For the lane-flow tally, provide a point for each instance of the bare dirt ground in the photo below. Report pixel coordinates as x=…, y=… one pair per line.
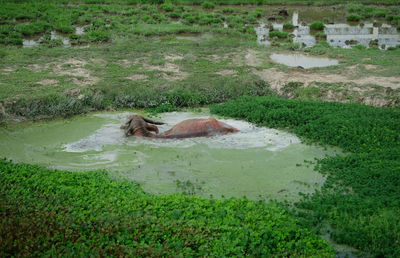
x=227, y=72
x=170, y=71
x=278, y=79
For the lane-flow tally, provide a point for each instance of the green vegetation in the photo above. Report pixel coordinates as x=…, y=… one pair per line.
x=320, y=48
x=353, y=17
x=102, y=21
x=320, y=35
x=288, y=26
x=317, y=25
x=391, y=14
x=223, y=2
x=278, y=34
x=167, y=56
x=60, y=213
x=360, y=198
x=208, y=5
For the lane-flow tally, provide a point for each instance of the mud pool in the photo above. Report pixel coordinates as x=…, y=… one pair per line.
x=258, y=162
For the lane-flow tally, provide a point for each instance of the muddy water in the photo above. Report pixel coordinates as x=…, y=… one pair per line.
x=259, y=163
x=299, y=60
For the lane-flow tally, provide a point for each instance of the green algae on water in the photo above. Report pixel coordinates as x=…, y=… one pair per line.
x=257, y=162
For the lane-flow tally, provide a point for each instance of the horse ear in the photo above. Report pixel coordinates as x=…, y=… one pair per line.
x=152, y=122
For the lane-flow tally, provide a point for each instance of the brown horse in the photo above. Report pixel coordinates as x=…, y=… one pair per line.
x=199, y=127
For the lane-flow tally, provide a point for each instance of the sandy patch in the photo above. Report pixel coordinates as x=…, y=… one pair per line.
x=227, y=72
x=39, y=67
x=278, y=79
x=171, y=71
x=137, y=77
x=98, y=61
x=84, y=76
x=125, y=63
x=84, y=81
x=175, y=77
x=251, y=58
x=70, y=67
x=167, y=67
x=8, y=70
x=48, y=82
x=370, y=67
x=218, y=58
x=74, y=62
x=73, y=92
x=173, y=57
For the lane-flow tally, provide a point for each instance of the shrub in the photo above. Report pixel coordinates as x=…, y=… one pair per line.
x=317, y=25
x=251, y=19
x=168, y=7
x=228, y=10
x=175, y=14
x=98, y=36
x=33, y=28
x=320, y=35
x=64, y=28
x=380, y=13
x=353, y=17
x=208, y=5
x=256, y=14
x=189, y=19
x=288, y=26
x=8, y=36
x=278, y=34
x=320, y=48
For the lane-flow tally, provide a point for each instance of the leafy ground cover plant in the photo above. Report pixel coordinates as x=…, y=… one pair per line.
x=353, y=17
x=278, y=34
x=60, y=213
x=317, y=25
x=361, y=197
x=288, y=26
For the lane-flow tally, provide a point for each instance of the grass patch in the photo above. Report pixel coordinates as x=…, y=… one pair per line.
x=60, y=213
x=362, y=186
x=208, y=5
x=353, y=17
x=278, y=34
x=320, y=48
x=320, y=35
x=288, y=26
x=317, y=25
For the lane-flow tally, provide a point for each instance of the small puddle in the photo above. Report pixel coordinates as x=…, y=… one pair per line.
x=193, y=37
x=29, y=42
x=257, y=162
x=299, y=60
x=35, y=41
